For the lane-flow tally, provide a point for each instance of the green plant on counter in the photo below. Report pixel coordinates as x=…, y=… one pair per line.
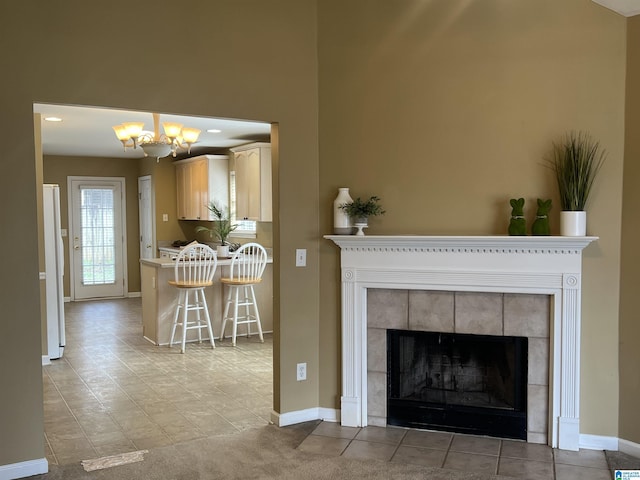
x=363, y=208
x=576, y=162
x=222, y=226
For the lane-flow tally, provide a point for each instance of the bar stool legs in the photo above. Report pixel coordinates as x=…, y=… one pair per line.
x=251, y=313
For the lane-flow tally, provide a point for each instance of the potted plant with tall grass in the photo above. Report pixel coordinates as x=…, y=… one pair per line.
x=576, y=161
x=222, y=227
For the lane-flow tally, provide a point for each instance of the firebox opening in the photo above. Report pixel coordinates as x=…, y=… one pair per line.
x=456, y=382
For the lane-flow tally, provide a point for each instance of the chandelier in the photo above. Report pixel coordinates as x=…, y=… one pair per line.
x=157, y=145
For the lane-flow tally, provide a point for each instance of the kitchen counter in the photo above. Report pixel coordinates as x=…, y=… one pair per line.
x=159, y=300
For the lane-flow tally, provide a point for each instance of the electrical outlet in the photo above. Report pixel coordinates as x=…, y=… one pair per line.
x=301, y=372
x=301, y=257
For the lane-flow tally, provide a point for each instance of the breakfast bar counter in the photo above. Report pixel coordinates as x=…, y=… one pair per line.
x=159, y=300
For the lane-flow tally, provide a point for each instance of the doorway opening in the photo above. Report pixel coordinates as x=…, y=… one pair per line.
x=68, y=157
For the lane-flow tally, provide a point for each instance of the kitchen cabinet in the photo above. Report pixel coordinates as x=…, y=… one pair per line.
x=200, y=180
x=252, y=166
x=168, y=252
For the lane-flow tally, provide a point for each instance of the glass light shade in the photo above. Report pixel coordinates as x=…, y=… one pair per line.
x=190, y=135
x=134, y=129
x=172, y=130
x=121, y=133
x=156, y=149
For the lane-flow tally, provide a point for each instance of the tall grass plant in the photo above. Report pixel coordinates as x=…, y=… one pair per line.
x=576, y=161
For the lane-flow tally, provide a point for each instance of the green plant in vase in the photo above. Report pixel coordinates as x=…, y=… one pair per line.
x=222, y=226
x=360, y=210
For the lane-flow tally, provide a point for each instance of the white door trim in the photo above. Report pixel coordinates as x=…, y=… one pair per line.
x=151, y=212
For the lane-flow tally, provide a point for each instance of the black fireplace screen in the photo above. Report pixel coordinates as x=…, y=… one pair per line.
x=455, y=382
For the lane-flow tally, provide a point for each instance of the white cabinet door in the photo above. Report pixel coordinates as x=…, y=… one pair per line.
x=199, y=180
x=253, y=182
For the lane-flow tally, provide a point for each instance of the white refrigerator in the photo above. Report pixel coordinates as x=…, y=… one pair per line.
x=54, y=271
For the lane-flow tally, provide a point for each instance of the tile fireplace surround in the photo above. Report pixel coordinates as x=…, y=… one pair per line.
x=548, y=266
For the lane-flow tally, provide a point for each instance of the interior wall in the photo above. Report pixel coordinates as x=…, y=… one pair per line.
x=446, y=110
x=630, y=265
x=58, y=168
x=163, y=179
x=72, y=53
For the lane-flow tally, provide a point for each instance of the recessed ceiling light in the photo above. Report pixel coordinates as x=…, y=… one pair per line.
x=53, y=119
x=214, y=130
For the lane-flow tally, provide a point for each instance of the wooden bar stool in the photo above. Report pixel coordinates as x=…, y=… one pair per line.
x=247, y=265
x=194, y=269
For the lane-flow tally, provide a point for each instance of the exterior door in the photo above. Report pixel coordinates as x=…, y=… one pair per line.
x=146, y=214
x=97, y=233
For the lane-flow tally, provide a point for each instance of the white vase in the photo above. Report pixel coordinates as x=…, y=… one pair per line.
x=573, y=224
x=222, y=251
x=342, y=224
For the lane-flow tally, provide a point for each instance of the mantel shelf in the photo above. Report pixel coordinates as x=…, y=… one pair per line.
x=496, y=243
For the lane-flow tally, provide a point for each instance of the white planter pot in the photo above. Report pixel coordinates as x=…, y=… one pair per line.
x=573, y=224
x=222, y=251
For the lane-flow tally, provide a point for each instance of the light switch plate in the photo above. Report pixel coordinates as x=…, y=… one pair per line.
x=301, y=257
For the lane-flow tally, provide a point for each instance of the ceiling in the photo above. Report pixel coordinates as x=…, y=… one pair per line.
x=87, y=131
x=628, y=8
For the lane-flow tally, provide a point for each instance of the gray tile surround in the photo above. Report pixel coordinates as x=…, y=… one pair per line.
x=483, y=313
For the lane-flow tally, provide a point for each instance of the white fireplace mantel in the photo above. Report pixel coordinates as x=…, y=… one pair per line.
x=548, y=265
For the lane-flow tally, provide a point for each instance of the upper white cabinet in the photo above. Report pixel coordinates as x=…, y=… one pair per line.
x=200, y=180
x=252, y=165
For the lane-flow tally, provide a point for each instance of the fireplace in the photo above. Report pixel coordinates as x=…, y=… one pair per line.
x=464, y=383
x=540, y=267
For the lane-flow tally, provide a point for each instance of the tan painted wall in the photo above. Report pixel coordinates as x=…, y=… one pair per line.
x=445, y=110
x=78, y=53
x=630, y=265
x=58, y=168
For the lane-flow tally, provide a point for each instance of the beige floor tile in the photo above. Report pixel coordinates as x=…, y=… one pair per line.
x=370, y=450
x=154, y=441
x=582, y=458
x=324, y=445
x=115, y=448
x=420, y=438
x=427, y=457
x=391, y=435
x=470, y=462
x=525, y=469
x=332, y=429
x=574, y=472
x=471, y=444
x=528, y=451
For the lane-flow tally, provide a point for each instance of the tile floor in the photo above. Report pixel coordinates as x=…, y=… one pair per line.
x=114, y=392
x=464, y=453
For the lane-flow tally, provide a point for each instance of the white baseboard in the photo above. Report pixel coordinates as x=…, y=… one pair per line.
x=630, y=448
x=598, y=442
x=46, y=360
x=134, y=294
x=310, y=414
x=24, y=469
